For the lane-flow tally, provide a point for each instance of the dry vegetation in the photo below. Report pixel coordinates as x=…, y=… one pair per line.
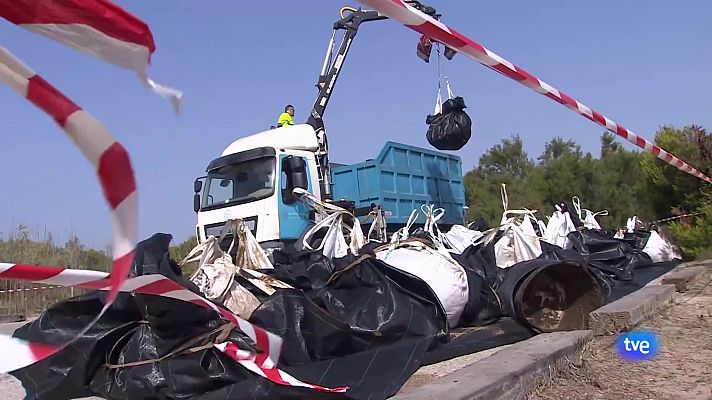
x=681, y=371
x=39, y=247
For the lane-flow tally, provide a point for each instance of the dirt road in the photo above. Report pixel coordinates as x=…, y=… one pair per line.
x=681, y=371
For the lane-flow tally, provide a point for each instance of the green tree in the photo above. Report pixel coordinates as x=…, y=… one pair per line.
x=563, y=172
x=506, y=163
x=619, y=184
x=609, y=144
x=673, y=191
x=694, y=235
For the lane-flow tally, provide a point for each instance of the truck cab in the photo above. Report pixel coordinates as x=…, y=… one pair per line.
x=254, y=177
x=253, y=180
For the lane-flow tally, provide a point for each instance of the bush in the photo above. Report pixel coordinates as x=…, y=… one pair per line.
x=694, y=238
x=180, y=251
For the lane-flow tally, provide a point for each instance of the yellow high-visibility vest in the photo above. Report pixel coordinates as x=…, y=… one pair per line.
x=285, y=119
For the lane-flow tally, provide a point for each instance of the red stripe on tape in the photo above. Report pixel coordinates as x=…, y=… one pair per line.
x=119, y=274
x=640, y=141
x=568, y=100
x=159, y=287
x=263, y=346
x=102, y=15
x=505, y=70
x=49, y=99
x=433, y=31
x=555, y=98
x=116, y=174
x=30, y=272
x=41, y=351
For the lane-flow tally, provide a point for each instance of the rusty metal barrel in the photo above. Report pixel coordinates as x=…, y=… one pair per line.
x=550, y=295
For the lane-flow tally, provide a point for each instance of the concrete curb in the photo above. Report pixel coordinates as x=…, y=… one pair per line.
x=626, y=313
x=683, y=278
x=679, y=269
x=510, y=373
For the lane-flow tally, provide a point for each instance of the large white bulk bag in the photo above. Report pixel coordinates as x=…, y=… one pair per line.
x=587, y=217
x=558, y=228
x=445, y=276
x=659, y=249
x=216, y=273
x=459, y=237
x=520, y=241
x=516, y=245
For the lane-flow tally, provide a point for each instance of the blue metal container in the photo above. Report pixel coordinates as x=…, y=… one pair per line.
x=403, y=178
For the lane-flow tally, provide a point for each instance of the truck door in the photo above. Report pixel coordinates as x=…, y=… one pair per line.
x=293, y=213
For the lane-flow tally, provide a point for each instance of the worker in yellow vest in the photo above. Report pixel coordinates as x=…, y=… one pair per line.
x=286, y=117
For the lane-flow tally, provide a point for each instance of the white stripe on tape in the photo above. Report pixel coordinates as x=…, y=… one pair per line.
x=14, y=352
x=75, y=278
x=124, y=225
x=90, y=135
x=16, y=81
x=89, y=40
x=5, y=266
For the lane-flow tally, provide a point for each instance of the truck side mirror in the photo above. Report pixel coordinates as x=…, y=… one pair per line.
x=299, y=173
x=197, y=185
x=196, y=202
x=295, y=171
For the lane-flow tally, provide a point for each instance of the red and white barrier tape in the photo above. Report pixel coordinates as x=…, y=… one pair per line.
x=263, y=363
x=105, y=30
x=117, y=181
x=96, y=27
x=108, y=158
x=420, y=22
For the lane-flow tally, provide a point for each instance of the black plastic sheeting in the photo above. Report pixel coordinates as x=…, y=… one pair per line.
x=616, y=257
x=140, y=327
x=368, y=328
x=354, y=322
x=643, y=275
x=620, y=265
x=471, y=340
x=452, y=128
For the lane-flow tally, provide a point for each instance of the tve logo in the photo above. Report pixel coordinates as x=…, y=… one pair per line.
x=637, y=345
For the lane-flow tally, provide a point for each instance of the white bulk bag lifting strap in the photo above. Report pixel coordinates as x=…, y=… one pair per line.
x=332, y=217
x=432, y=216
x=441, y=77
x=404, y=232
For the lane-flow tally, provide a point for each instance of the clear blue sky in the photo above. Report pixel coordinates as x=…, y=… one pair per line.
x=643, y=63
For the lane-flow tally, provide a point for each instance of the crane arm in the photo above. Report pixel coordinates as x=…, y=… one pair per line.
x=331, y=70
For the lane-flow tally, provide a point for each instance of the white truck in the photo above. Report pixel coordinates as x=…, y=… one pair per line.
x=254, y=177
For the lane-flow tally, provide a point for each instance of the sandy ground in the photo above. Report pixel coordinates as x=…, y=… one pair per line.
x=681, y=371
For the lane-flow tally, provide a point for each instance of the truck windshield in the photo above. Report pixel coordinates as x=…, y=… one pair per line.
x=241, y=182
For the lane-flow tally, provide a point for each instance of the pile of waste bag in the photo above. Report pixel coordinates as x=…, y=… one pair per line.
x=351, y=312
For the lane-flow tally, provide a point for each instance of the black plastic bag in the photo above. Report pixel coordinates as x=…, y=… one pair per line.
x=367, y=326
x=141, y=327
x=613, y=256
x=452, y=128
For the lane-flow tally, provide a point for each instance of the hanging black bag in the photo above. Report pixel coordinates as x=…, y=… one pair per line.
x=450, y=129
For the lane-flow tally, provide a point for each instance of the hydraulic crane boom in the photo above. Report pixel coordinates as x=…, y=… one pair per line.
x=327, y=79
